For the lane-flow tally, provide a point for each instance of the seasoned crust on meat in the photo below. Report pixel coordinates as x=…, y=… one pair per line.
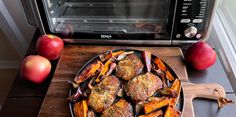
x=119, y=109
x=143, y=86
x=104, y=93
x=129, y=67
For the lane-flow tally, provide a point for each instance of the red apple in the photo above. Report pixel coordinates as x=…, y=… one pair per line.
x=50, y=46
x=200, y=56
x=35, y=68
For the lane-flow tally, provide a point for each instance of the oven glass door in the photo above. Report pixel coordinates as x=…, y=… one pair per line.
x=115, y=17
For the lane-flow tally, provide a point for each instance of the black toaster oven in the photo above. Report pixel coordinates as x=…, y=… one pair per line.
x=155, y=22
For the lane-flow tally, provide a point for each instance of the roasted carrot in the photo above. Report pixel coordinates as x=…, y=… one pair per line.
x=105, y=56
x=104, y=70
x=154, y=105
x=169, y=76
x=159, y=64
x=158, y=113
x=81, y=109
x=171, y=112
x=177, y=87
x=117, y=53
x=89, y=71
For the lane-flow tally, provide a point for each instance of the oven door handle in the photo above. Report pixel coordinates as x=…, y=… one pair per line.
x=110, y=31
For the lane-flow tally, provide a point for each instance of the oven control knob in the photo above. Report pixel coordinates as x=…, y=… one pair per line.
x=190, y=32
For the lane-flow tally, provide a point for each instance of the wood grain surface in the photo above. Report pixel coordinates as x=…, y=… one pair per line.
x=75, y=56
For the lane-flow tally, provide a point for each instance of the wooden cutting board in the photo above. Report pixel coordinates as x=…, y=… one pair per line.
x=75, y=56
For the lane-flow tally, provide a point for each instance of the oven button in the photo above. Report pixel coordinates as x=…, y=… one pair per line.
x=178, y=36
x=197, y=20
x=190, y=32
x=185, y=20
x=198, y=36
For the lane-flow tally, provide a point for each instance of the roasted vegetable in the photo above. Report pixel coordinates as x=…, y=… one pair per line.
x=159, y=64
x=159, y=72
x=162, y=75
x=121, y=92
x=111, y=68
x=168, y=92
x=75, y=96
x=164, y=80
x=81, y=109
x=177, y=87
x=91, y=114
x=88, y=72
x=171, y=112
x=117, y=53
x=104, y=70
x=92, y=82
x=138, y=107
x=109, y=54
x=169, y=76
x=155, y=99
x=147, y=60
x=158, y=113
x=72, y=84
x=105, y=56
x=123, y=55
x=154, y=105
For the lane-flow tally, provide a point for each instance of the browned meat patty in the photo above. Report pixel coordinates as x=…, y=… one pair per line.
x=129, y=67
x=104, y=93
x=119, y=109
x=143, y=86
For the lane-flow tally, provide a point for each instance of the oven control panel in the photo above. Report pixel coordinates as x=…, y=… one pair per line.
x=192, y=19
